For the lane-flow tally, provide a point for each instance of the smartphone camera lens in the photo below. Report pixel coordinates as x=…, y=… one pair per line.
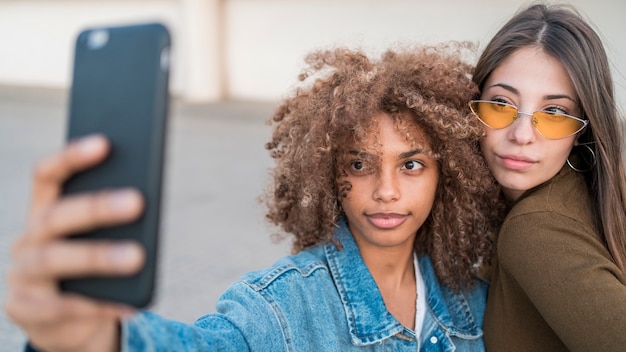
x=97, y=39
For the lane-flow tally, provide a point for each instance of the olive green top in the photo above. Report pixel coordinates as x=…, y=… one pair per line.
x=554, y=286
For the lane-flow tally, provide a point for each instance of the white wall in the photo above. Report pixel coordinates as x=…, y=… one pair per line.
x=267, y=39
x=253, y=49
x=37, y=37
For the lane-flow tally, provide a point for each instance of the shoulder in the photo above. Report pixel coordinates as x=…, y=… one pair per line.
x=474, y=295
x=562, y=205
x=296, y=267
x=456, y=309
x=276, y=298
x=566, y=194
x=478, y=285
x=552, y=224
x=285, y=286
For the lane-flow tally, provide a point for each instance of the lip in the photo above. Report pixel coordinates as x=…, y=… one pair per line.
x=386, y=220
x=516, y=162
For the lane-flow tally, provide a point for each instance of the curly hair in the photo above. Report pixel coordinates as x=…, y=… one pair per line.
x=346, y=90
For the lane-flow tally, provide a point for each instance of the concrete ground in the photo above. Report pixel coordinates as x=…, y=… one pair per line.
x=212, y=225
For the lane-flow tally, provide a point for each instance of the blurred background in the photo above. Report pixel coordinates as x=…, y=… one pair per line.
x=233, y=60
x=253, y=49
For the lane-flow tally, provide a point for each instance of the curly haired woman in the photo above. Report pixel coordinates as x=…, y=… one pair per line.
x=380, y=181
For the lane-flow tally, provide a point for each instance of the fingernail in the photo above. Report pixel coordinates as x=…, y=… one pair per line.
x=123, y=200
x=90, y=144
x=125, y=256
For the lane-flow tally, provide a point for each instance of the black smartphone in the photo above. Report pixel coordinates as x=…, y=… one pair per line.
x=120, y=89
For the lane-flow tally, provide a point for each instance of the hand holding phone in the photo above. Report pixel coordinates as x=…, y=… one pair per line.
x=120, y=90
x=41, y=254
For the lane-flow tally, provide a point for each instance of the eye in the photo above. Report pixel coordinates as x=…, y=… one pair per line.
x=502, y=105
x=412, y=165
x=556, y=110
x=360, y=167
x=500, y=100
x=555, y=117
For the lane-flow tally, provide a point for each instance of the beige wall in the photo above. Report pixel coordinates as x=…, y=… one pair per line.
x=253, y=49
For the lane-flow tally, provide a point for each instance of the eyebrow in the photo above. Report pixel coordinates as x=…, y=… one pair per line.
x=403, y=155
x=546, y=97
x=410, y=153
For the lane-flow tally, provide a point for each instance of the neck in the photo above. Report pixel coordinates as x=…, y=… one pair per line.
x=391, y=268
x=394, y=273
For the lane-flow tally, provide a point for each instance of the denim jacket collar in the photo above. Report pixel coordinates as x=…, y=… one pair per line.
x=368, y=319
x=451, y=310
x=366, y=313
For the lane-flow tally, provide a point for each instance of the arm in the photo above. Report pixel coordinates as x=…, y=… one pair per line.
x=147, y=332
x=54, y=320
x=567, y=273
x=245, y=321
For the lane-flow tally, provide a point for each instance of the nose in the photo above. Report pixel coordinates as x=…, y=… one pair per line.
x=522, y=130
x=386, y=189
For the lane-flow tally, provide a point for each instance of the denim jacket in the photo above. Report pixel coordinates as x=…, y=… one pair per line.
x=321, y=299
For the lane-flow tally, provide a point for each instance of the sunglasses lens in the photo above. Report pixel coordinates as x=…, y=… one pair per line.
x=556, y=126
x=494, y=115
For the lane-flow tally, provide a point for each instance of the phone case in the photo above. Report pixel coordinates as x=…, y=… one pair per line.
x=120, y=89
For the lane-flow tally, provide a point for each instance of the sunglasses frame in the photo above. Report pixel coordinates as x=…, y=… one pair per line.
x=585, y=122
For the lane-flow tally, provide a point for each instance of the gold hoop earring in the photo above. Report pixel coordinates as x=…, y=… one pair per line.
x=582, y=158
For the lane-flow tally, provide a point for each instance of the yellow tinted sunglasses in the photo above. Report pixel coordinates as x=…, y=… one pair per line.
x=550, y=124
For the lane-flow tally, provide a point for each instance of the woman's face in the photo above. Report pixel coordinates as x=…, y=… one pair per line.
x=394, y=182
x=518, y=155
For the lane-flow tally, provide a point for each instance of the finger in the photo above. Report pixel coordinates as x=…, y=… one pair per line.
x=85, y=212
x=26, y=309
x=50, y=173
x=81, y=307
x=68, y=259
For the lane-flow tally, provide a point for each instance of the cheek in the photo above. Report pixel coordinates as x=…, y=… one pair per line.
x=434, y=189
x=561, y=153
x=343, y=188
x=558, y=150
x=350, y=205
x=490, y=141
x=350, y=192
x=425, y=191
x=485, y=145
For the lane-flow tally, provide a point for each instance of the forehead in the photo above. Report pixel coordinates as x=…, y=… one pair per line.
x=402, y=126
x=532, y=71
